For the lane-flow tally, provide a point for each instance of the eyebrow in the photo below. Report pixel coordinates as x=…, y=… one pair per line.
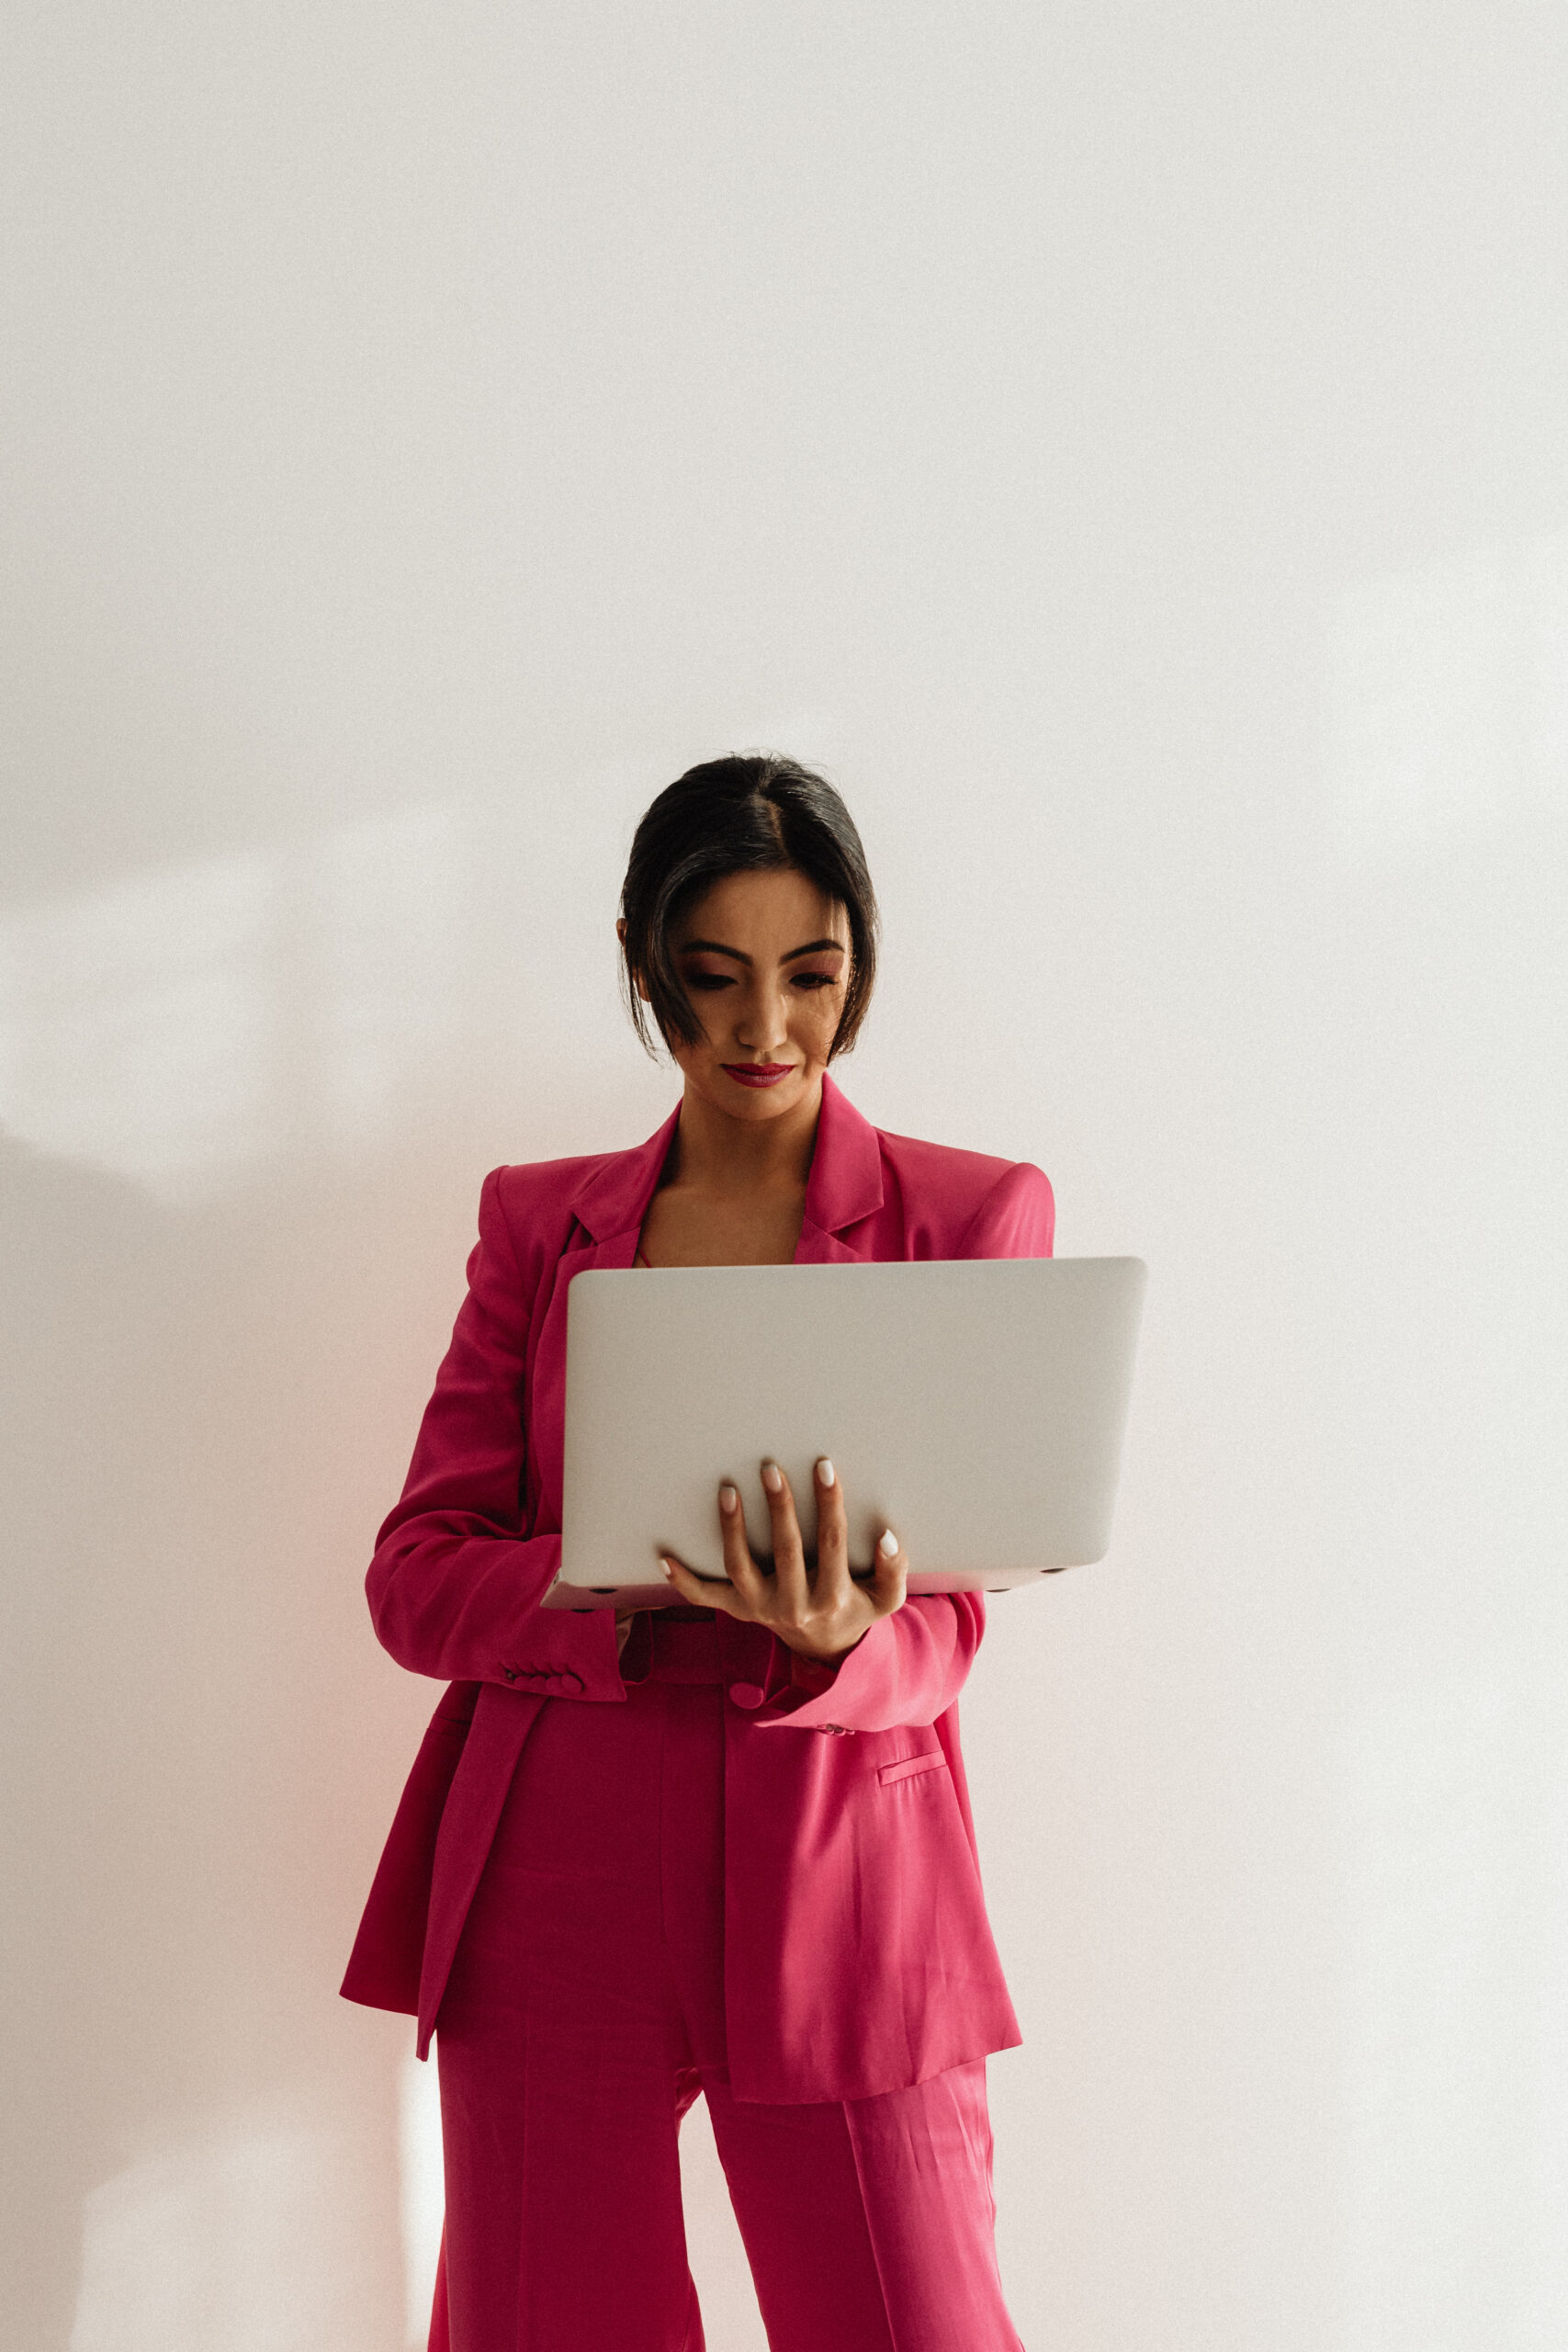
x=716, y=947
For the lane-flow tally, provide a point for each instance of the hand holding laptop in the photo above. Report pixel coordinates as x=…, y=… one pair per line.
x=819, y=1613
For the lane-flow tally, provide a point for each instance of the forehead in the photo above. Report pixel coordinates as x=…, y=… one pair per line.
x=764, y=914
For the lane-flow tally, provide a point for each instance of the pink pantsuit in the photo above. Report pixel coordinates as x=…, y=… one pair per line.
x=797, y=1928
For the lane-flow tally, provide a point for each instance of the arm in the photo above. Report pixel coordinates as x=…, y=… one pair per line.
x=455, y=1586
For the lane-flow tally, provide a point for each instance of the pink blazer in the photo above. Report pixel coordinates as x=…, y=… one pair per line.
x=858, y=1957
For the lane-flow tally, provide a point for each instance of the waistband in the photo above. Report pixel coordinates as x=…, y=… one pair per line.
x=683, y=1651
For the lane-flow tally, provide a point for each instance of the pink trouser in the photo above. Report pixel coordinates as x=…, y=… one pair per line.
x=585, y=2012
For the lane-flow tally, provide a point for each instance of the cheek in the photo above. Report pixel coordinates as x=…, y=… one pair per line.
x=816, y=1019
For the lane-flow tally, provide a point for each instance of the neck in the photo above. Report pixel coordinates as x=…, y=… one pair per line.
x=714, y=1153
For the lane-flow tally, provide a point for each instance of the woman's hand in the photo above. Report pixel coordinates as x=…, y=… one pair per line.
x=820, y=1615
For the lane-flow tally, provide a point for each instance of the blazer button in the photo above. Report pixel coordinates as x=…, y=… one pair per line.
x=745, y=1694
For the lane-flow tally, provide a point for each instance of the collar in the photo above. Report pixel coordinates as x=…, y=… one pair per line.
x=844, y=1185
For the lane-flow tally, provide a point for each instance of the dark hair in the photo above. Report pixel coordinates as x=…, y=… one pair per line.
x=749, y=813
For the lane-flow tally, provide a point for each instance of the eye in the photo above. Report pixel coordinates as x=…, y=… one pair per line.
x=707, y=981
x=815, y=979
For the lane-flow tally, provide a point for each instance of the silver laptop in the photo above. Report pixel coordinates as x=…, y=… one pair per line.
x=975, y=1405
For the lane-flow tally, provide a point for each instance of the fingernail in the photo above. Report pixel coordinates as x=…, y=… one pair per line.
x=666, y=1567
x=772, y=1476
x=889, y=1544
x=825, y=1471
x=728, y=1497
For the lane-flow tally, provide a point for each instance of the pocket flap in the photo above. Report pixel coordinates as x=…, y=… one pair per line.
x=906, y=1767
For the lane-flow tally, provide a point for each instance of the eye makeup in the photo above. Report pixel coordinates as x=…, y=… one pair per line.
x=695, y=978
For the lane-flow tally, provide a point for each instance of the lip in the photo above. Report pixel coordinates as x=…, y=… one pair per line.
x=757, y=1073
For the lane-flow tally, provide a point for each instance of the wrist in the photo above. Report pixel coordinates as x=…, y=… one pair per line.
x=795, y=1643
x=812, y=1671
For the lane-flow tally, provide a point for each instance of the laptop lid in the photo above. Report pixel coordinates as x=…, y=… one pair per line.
x=975, y=1406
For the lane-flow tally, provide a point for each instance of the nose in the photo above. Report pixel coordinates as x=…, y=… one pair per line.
x=764, y=1025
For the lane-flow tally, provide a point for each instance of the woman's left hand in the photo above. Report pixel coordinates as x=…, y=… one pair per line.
x=818, y=1613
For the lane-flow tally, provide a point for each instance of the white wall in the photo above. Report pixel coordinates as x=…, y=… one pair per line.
x=1125, y=445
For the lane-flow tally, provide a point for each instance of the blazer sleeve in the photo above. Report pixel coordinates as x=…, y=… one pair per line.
x=910, y=1668
x=455, y=1585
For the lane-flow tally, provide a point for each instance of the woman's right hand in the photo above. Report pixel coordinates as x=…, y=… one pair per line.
x=821, y=1612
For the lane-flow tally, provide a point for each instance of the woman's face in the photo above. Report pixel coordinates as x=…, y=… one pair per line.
x=765, y=962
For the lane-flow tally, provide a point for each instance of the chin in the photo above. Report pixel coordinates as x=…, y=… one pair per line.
x=763, y=1104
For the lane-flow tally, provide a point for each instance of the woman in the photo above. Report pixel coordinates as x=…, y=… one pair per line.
x=628, y=1866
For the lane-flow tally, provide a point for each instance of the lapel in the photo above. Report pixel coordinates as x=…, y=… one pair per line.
x=612, y=1203
x=845, y=1184
x=609, y=1207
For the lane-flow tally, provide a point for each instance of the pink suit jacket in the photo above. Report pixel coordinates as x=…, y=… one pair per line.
x=858, y=1957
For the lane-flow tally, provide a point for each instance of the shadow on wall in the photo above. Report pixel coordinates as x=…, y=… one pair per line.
x=247, y=1103
x=202, y=2140
x=204, y=1255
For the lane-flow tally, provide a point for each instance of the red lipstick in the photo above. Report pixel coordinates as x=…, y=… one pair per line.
x=757, y=1073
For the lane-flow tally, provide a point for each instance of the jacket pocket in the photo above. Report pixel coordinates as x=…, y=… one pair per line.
x=905, y=1767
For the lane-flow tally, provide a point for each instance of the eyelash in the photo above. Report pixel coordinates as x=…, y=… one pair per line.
x=707, y=981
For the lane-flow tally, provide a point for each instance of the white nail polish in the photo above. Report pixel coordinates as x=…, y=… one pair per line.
x=826, y=1472
x=888, y=1546
x=728, y=1497
x=665, y=1567
x=772, y=1476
